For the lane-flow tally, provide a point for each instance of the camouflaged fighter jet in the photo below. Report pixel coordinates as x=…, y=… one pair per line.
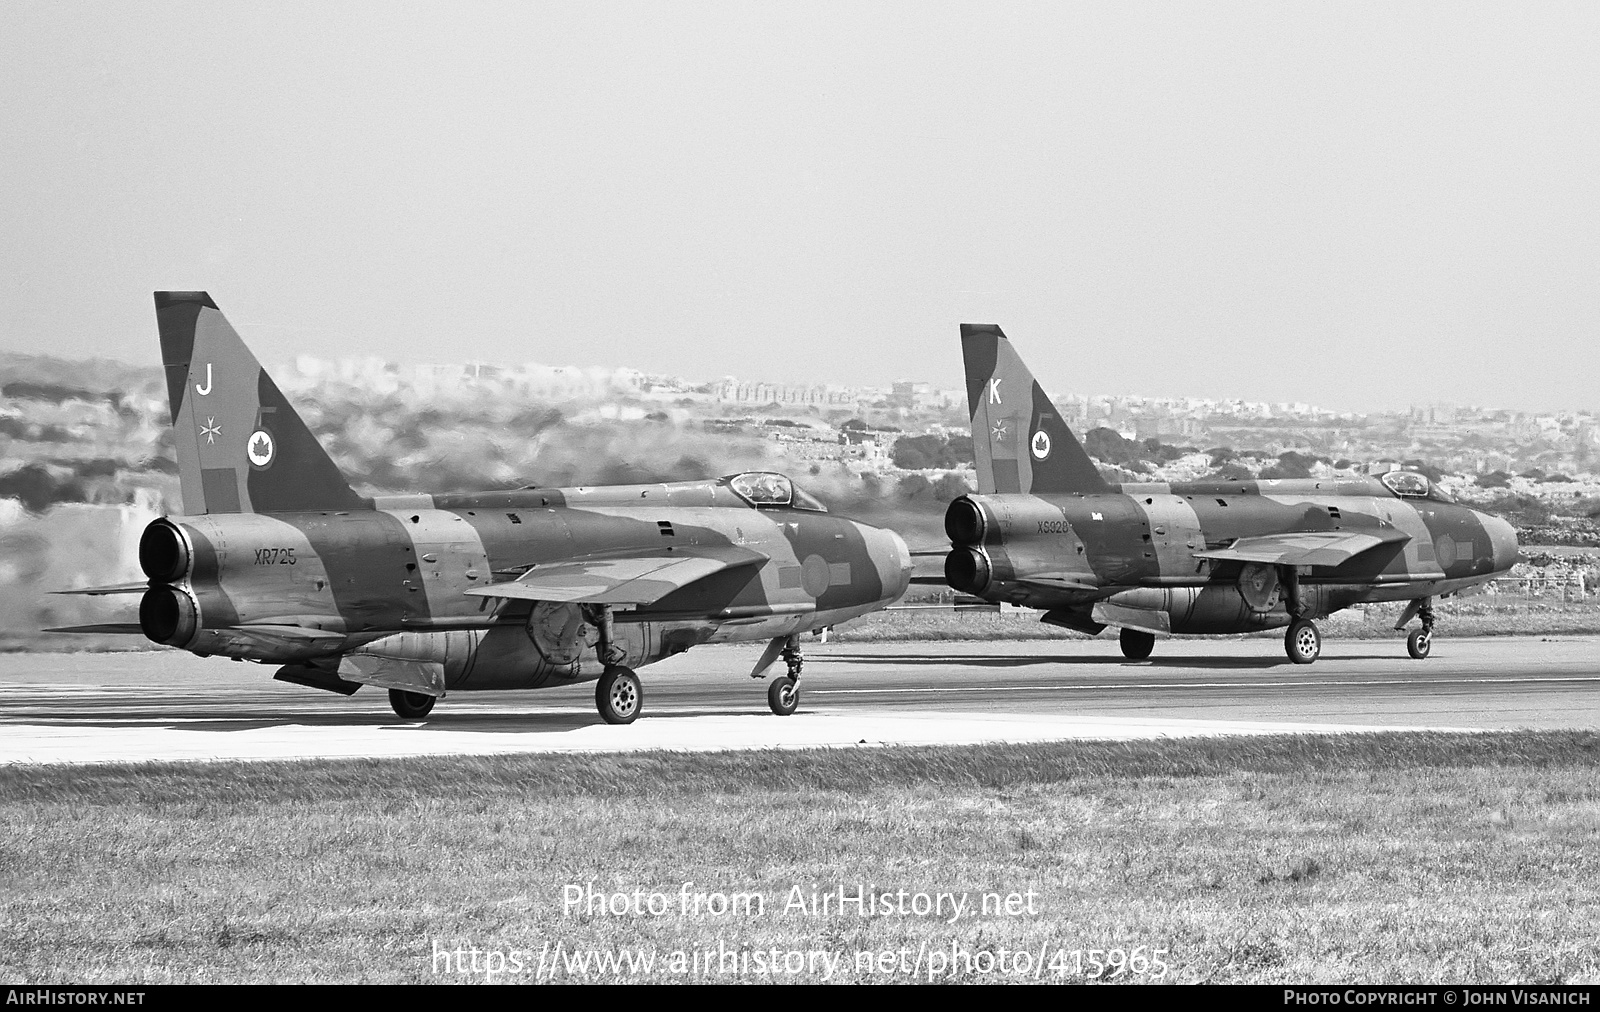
x=1045, y=530
x=278, y=560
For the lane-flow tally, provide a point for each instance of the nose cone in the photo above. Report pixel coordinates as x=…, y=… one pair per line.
x=1503, y=542
x=893, y=559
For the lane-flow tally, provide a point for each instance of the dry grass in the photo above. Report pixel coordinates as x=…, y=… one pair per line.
x=1406, y=857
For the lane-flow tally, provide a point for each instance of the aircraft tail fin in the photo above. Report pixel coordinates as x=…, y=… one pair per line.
x=241, y=446
x=1021, y=440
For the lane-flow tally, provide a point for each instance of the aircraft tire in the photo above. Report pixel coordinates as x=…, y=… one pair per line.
x=1137, y=644
x=1419, y=643
x=410, y=705
x=783, y=695
x=1302, y=642
x=618, y=696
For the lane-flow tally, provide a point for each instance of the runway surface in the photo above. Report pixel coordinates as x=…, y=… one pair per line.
x=165, y=705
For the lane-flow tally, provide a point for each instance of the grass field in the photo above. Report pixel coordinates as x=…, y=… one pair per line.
x=1403, y=857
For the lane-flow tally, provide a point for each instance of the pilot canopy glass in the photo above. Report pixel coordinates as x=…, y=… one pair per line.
x=1412, y=485
x=769, y=489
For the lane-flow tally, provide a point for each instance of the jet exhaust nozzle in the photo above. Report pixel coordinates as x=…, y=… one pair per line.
x=964, y=522
x=163, y=551
x=168, y=616
x=967, y=570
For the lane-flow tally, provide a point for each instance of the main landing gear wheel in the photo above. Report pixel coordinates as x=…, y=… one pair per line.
x=410, y=705
x=783, y=695
x=618, y=696
x=1302, y=642
x=1419, y=643
x=1136, y=645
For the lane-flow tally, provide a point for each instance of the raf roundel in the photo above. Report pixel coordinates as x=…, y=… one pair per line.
x=261, y=448
x=1041, y=444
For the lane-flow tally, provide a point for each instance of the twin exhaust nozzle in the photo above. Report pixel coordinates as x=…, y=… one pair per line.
x=967, y=568
x=167, y=615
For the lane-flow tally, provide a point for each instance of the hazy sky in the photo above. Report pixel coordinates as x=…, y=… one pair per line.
x=1361, y=206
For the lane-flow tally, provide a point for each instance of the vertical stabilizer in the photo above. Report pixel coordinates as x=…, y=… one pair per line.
x=241, y=446
x=1021, y=441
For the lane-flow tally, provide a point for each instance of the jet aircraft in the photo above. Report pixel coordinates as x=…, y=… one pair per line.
x=277, y=560
x=1045, y=530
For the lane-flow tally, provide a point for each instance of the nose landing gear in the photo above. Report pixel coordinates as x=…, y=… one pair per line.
x=783, y=695
x=1420, y=642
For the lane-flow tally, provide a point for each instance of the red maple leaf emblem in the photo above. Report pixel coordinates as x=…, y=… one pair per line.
x=260, y=448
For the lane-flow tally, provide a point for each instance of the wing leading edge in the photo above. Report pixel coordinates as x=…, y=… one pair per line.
x=641, y=577
x=1305, y=548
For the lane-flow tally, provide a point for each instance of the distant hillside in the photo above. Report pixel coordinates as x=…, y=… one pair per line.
x=99, y=375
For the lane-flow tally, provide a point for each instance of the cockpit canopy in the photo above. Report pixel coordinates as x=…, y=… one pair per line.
x=1411, y=485
x=771, y=490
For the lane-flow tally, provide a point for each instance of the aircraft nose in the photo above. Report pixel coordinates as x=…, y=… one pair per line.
x=889, y=551
x=1503, y=540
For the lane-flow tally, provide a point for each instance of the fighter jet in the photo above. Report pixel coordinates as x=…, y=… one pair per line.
x=1045, y=530
x=277, y=560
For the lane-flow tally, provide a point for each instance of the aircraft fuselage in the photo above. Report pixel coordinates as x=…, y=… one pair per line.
x=1136, y=548
x=395, y=581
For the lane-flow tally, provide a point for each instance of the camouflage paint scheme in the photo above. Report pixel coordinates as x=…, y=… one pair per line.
x=277, y=560
x=1045, y=530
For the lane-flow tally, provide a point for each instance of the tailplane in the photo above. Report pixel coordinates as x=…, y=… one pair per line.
x=1021, y=441
x=241, y=447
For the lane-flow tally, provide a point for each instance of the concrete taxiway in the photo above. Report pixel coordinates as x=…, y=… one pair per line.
x=167, y=705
